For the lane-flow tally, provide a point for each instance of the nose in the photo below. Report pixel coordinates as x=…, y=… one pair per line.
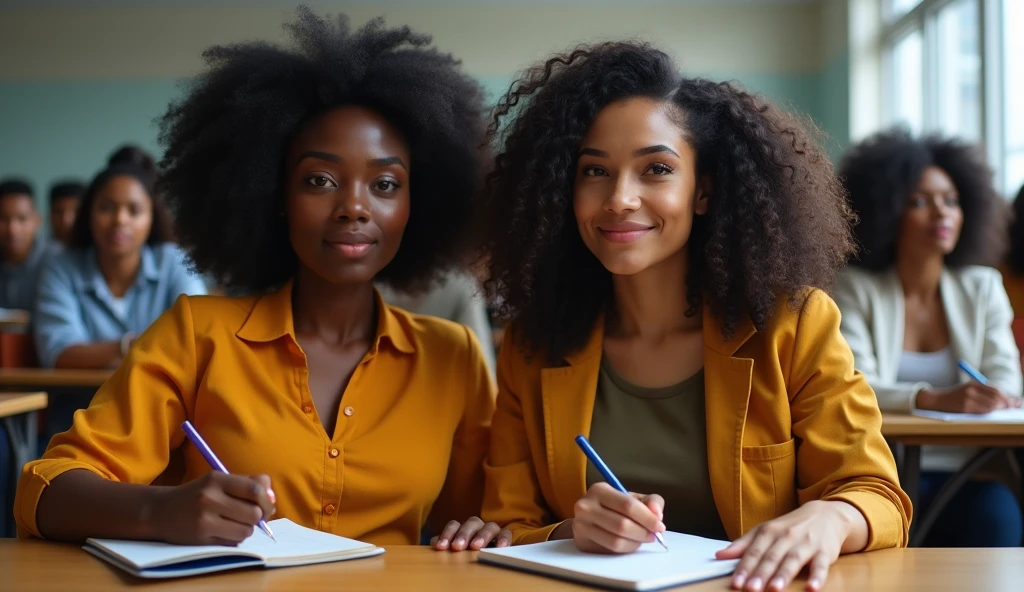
x=353, y=203
x=122, y=216
x=623, y=198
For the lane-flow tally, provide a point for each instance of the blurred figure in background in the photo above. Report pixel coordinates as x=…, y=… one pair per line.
x=64, y=199
x=1013, y=269
x=922, y=295
x=457, y=297
x=120, y=273
x=20, y=252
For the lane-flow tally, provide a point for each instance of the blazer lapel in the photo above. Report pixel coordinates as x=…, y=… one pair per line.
x=568, y=395
x=892, y=318
x=727, y=383
x=958, y=310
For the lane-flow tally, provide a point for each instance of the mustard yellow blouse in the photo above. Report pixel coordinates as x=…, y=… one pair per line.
x=411, y=434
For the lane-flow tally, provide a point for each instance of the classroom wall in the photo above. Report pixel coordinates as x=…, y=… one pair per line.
x=79, y=78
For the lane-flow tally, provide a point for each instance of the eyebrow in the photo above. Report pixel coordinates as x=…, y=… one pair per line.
x=331, y=157
x=636, y=153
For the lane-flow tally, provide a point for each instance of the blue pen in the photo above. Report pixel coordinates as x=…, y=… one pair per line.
x=970, y=371
x=211, y=458
x=608, y=475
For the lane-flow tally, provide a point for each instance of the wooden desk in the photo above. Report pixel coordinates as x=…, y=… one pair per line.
x=910, y=432
x=50, y=379
x=29, y=566
x=18, y=411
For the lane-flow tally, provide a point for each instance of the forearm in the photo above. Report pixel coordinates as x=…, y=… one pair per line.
x=87, y=356
x=80, y=504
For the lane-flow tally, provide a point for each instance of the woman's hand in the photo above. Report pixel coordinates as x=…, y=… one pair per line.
x=609, y=521
x=215, y=509
x=969, y=397
x=473, y=534
x=815, y=534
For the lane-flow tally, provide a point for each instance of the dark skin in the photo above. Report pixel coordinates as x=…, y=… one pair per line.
x=121, y=218
x=347, y=204
x=62, y=217
x=19, y=222
x=636, y=195
x=929, y=231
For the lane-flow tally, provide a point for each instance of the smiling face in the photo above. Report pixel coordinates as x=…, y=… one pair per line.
x=636, y=189
x=932, y=218
x=347, y=194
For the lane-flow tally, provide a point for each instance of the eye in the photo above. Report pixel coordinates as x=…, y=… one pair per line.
x=594, y=171
x=319, y=181
x=918, y=202
x=952, y=201
x=386, y=185
x=659, y=169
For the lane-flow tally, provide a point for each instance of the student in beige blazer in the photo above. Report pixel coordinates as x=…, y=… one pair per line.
x=918, y=299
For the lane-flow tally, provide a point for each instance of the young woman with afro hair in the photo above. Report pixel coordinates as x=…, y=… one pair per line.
x=298, y=176
x=920, y=296
x=662, y=243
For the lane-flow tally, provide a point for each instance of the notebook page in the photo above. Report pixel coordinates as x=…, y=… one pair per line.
x=651, y=565
x=999, y=415
x=296, y=542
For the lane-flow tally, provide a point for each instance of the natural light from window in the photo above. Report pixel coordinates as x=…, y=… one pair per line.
x=958, y=70
x=907, y=76
x=1013, y=96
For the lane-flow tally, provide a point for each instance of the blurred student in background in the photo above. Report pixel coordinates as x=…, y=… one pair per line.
x=1013, y=268
x=21, y=254
x=120, y=272
x=920, y=296
x=64, y=199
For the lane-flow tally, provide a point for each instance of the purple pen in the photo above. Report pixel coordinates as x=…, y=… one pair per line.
x=211, y=458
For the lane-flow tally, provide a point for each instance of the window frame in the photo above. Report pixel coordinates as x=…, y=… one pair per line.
x=924, y=18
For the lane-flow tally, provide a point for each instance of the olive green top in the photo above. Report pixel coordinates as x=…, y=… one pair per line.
x=655, y=441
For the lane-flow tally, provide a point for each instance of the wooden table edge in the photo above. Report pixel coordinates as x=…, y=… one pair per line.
x=18, y=403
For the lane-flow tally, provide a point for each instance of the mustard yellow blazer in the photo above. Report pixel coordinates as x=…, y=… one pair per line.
x=789, y=421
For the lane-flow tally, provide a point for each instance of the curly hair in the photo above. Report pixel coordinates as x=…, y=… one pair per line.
x=162, y=230
x=66, y=188
x=1015, y=257
x=226, y=140
x=881, y=171
x=777, y=220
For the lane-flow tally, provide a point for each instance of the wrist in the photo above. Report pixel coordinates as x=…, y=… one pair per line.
x=562, y=532
x=853, y=526
x=126, y=343
x=147, y=519
x=925, y=399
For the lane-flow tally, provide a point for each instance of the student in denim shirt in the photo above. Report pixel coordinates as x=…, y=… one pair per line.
x=120, y=273
x=21, y=251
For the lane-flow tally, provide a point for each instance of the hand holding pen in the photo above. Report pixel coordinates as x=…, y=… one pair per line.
x=215, y=509
x=976, y=396
x=609, y=519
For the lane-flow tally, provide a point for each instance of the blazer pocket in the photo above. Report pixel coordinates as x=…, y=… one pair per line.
x=768, y=482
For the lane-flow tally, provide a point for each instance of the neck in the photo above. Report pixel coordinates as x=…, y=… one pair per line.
x=652, y=303
x=920, y=275
x=119, y=271
x=16, y=258
x=334, y=314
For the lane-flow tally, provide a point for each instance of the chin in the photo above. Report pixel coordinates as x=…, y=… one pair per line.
x=619, y=267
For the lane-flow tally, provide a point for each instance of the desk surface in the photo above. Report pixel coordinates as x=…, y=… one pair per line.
x=914, y=430
x=47, y=378
x=33, y=565
x=17, y=403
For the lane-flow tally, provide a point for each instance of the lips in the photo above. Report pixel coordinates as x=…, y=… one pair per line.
x=626, y=231
x=351, y=244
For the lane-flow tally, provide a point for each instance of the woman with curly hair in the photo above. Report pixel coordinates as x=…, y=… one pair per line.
x=299, y=176
x=919, y=298
x=662, y=243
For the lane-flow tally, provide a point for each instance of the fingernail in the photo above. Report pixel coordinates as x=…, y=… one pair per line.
x=661, y=527
x=754, y=584
x=271, y=495
x=459, y=542
x=814, y=583
x=778, y=584
x=442, y=542
x=739, y=579
x=650, y=538
x=478, y=543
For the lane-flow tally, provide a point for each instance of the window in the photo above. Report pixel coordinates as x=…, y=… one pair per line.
x=1013, y=95
x=955, y=67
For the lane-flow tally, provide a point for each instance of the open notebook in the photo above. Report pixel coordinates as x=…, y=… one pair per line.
x=689, y=559
x=296, y=545
x=998, y=416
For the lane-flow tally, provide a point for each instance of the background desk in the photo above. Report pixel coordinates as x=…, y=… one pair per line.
x=41, y=378
x=29, y=566
x=18, y=414
x=912, y=432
